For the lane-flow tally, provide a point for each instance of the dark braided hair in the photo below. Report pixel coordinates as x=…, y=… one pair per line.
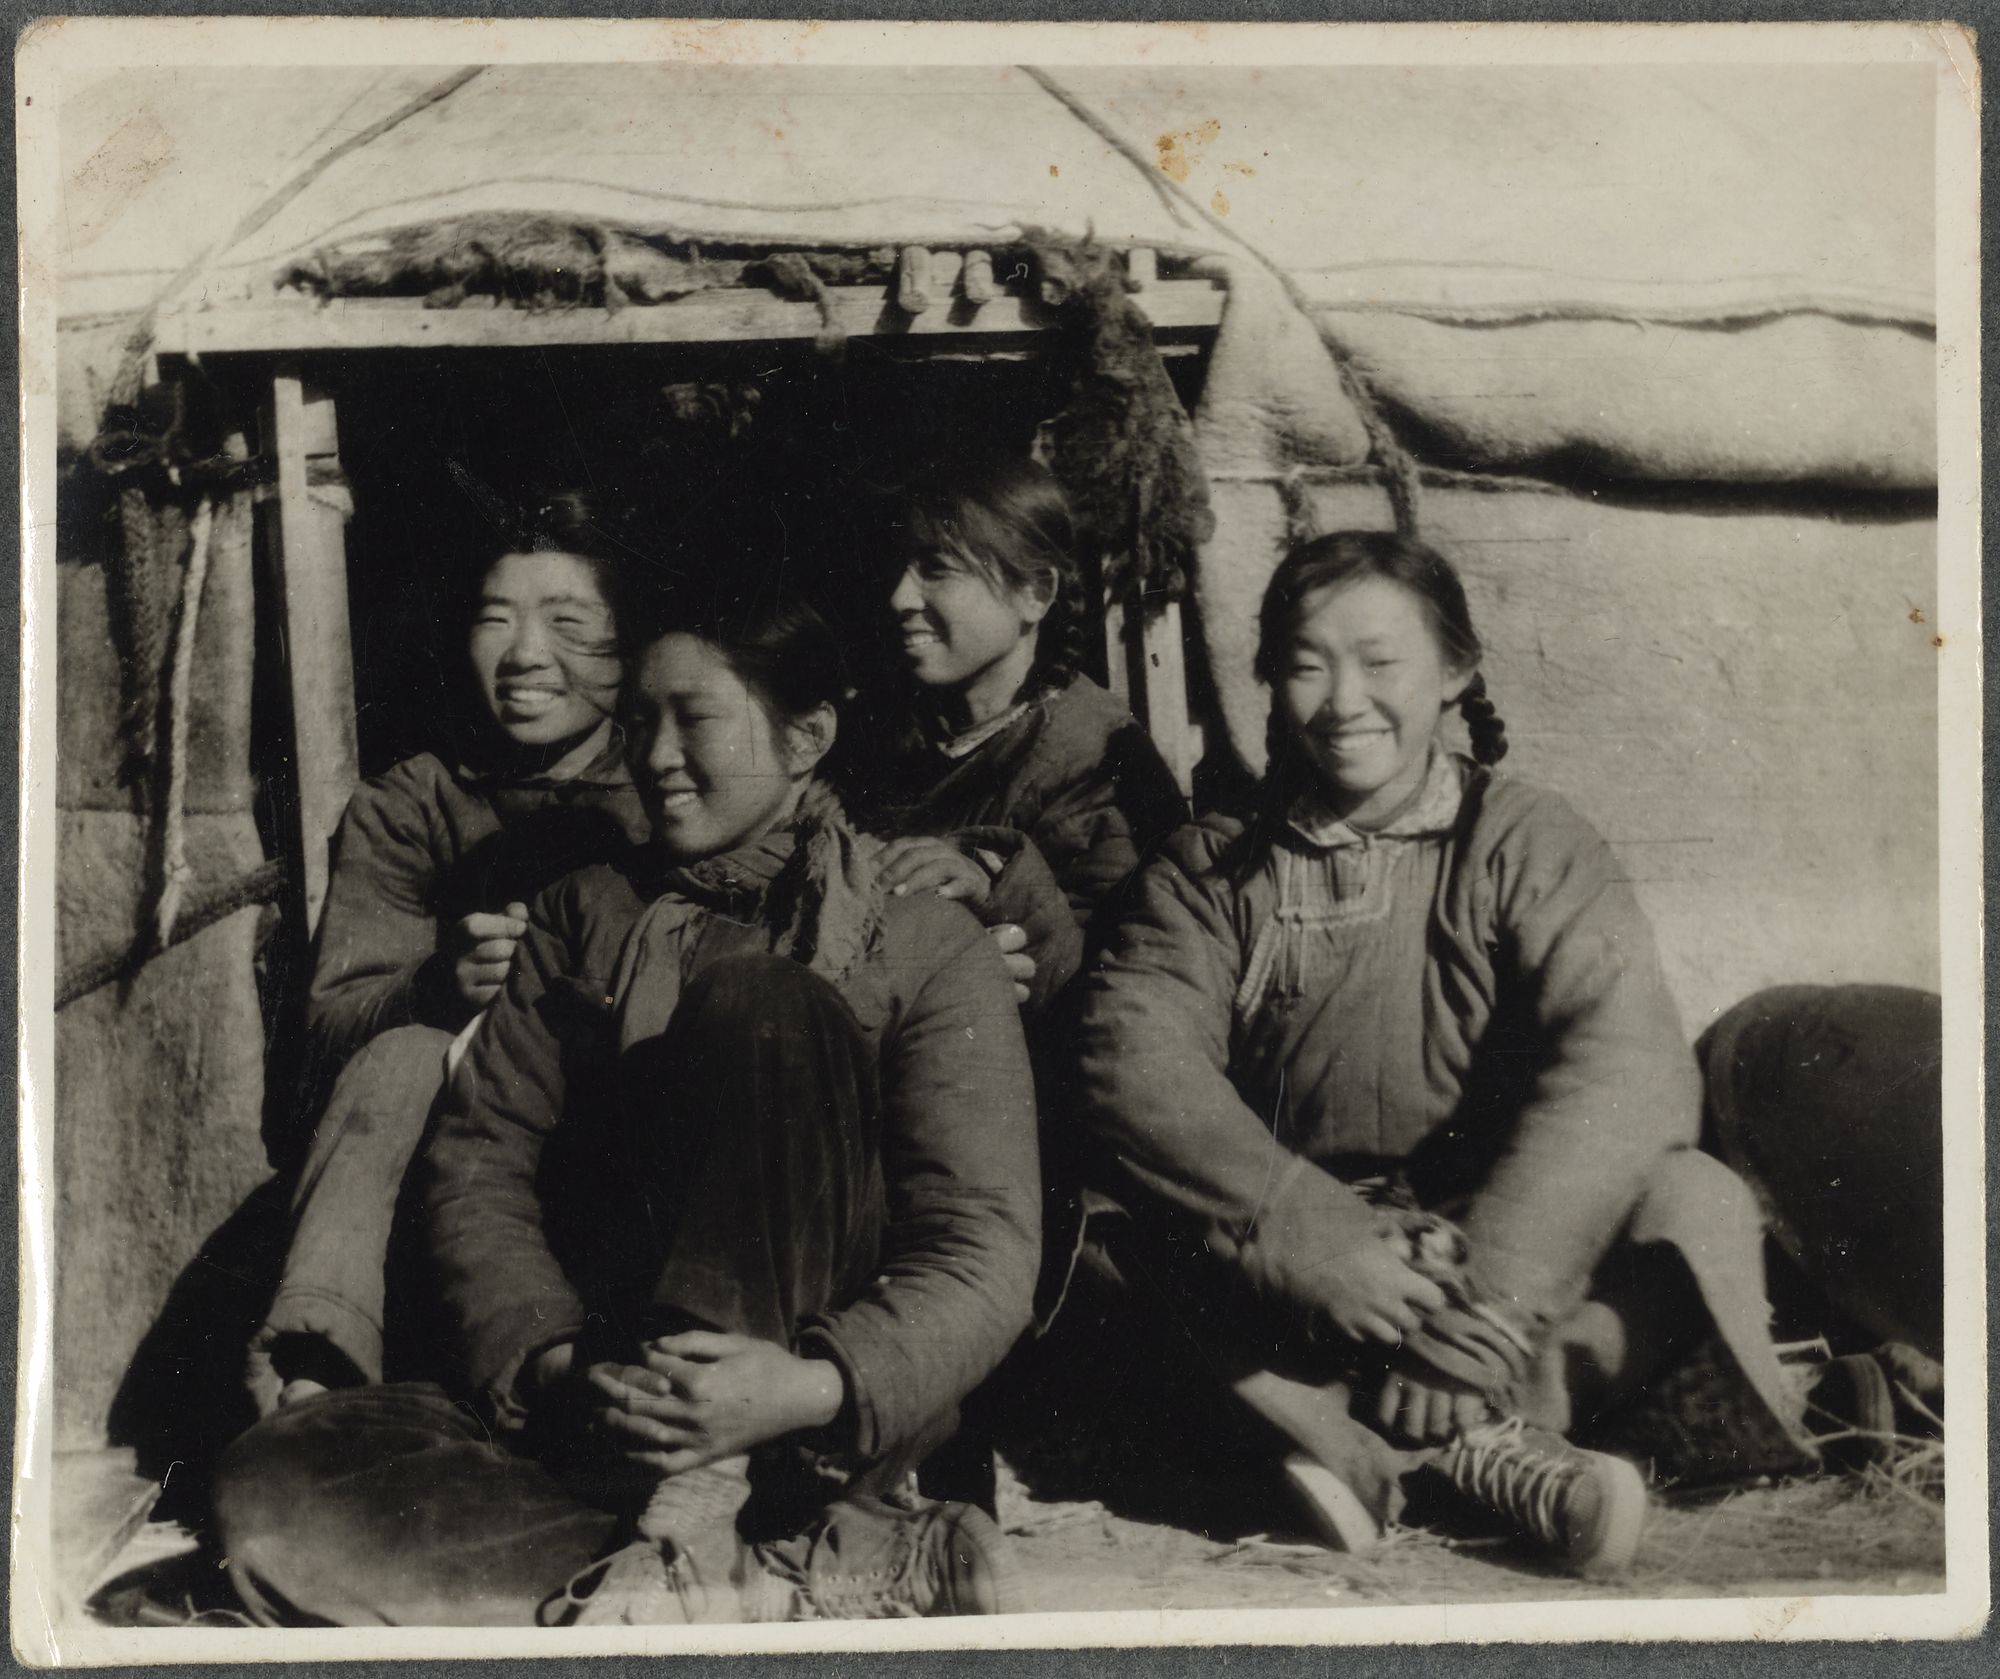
x=1342, y=557
x=1007, y=520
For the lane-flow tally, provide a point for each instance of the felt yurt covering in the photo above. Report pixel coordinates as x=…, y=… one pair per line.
x=1649, y=351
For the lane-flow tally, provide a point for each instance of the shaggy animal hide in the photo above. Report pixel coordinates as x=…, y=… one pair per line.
x=547, y=262
x=1122, y=445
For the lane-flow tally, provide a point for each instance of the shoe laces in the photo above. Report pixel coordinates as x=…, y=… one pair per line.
x=1499, y=1466
x=839, y=1591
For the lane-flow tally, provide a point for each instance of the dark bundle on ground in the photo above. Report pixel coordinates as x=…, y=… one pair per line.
x=1122, y=446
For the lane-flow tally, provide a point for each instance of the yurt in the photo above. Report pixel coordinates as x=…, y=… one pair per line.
x=1649, y=350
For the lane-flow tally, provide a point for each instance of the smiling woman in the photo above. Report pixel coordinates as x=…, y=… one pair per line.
x=544, y=651
x=743, y=1157
x=434, y=865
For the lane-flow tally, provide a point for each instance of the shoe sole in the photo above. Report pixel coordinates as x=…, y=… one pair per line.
x=1625, y=1502
x=1337, y=1513
x=976, y=1538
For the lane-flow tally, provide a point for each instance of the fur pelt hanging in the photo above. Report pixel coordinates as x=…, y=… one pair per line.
x=1122, y=446
x=530, y=261
x=550, y=262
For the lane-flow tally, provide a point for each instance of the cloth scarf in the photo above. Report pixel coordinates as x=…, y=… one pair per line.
x=812, y=886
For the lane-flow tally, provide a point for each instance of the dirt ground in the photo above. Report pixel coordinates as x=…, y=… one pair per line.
x=1832, y=1535
x=1872, y=1534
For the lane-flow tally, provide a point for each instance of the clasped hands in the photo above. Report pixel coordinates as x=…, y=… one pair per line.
x=1373, y=1297
x=690, y=1399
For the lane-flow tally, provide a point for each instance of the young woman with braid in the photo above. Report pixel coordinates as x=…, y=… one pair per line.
x=1018, y=785
x=1391, y=1083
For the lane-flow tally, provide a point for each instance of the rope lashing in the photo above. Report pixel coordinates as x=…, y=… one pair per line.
x=199, y=912
x=174, y=873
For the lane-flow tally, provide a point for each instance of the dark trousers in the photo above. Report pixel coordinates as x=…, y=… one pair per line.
x=741, y=1190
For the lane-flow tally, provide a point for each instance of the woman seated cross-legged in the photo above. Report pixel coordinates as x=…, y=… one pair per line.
x=1391, y=1084
x=732, y=1199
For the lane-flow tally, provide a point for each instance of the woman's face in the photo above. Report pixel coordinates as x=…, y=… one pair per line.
x=1364, y=683
x=957, y=625
x=543, y=648
x=712, y=769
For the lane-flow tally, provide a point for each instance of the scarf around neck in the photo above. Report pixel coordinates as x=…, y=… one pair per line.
x=811, y=886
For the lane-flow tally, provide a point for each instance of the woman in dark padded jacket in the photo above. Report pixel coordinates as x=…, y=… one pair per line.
x=734, y=1196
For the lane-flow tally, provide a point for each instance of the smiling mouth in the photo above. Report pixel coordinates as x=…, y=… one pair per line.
x=915, y=638
x=528, y=699
x=680, y=798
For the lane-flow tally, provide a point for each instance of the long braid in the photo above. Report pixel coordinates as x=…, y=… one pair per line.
x=1482, y=722
x=1059, y=654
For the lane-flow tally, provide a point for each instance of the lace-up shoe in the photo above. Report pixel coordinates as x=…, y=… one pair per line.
x=1586, y=1506
x=881, y=1558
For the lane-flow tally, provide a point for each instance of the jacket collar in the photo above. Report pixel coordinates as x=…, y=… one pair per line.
x=971, y=740
x=1432, y=809
x=607, y=769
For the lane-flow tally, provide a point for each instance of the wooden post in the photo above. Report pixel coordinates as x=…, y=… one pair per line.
x=1163, y=658
x=305, y=533
x=1147, y=662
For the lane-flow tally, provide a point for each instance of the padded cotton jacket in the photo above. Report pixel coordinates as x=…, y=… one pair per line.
x=963, y=1241
x=425, y=844
x=1476, y=1002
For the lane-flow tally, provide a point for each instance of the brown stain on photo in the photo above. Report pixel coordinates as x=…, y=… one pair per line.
x=1177, y=147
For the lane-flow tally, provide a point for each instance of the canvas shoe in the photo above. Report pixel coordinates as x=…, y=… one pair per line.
x=655, y=1583
x=871, y=1558
x=1587, y=1506
x=683, y=1565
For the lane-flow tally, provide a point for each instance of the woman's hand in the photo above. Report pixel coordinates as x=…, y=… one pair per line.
x=1013, y=943
x=1428, y=1410
x=702, y=1395
x=1371, y=1295
x=921, y=863
x=477, y=951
